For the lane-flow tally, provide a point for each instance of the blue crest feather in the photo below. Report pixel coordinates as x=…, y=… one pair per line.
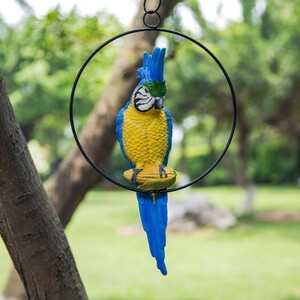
x=153, y=66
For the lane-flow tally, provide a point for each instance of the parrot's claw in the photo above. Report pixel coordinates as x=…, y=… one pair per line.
x=135, y=174
x=162, y=171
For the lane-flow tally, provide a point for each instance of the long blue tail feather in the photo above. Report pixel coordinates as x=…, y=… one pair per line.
x=154, y=217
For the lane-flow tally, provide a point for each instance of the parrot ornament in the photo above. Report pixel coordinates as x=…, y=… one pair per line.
x=144, y=133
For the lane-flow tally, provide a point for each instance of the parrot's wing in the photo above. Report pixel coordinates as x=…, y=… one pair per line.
x=119, y=132
x=170, y=133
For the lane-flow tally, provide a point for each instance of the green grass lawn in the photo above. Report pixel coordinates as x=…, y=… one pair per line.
x=254, y=260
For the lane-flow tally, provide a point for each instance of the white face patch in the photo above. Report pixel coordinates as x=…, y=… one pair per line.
x=143, y=101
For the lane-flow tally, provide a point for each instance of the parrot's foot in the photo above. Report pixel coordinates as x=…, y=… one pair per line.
x=134, y=175
x=162, y=171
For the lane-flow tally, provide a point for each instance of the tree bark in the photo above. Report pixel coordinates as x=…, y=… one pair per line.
x=29, y=226
x=74, y=177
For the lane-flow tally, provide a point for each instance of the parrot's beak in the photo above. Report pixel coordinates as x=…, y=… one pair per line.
x=159, y=103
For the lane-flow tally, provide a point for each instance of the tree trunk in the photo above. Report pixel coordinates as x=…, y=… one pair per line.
x=74, y=177
x=29, y=226
x=243, y=178
x=247, y=205
x=237, y=162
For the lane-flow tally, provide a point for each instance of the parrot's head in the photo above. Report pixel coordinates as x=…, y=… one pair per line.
x=150, y=92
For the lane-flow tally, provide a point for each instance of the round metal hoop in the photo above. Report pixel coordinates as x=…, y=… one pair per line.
x=234, y=108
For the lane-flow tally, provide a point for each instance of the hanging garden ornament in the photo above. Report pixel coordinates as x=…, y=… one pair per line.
x=144, y=133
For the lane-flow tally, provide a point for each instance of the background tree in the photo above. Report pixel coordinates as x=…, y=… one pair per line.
x=260, y=54
x=40, y=77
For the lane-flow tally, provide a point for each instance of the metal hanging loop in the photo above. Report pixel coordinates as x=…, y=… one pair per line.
x=151, y=12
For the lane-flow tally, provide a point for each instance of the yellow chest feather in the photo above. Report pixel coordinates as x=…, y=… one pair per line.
x=145, y=136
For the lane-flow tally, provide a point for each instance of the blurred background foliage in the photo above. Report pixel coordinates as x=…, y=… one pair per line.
x=39, y=59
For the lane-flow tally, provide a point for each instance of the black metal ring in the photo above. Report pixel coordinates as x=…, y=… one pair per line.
x=151, y=12
x=157, y=8
x=234, y=108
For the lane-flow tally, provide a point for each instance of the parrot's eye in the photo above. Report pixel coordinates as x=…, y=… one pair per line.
x=143, y=101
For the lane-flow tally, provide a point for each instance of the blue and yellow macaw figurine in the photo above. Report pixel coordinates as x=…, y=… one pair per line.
x=144, y=132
